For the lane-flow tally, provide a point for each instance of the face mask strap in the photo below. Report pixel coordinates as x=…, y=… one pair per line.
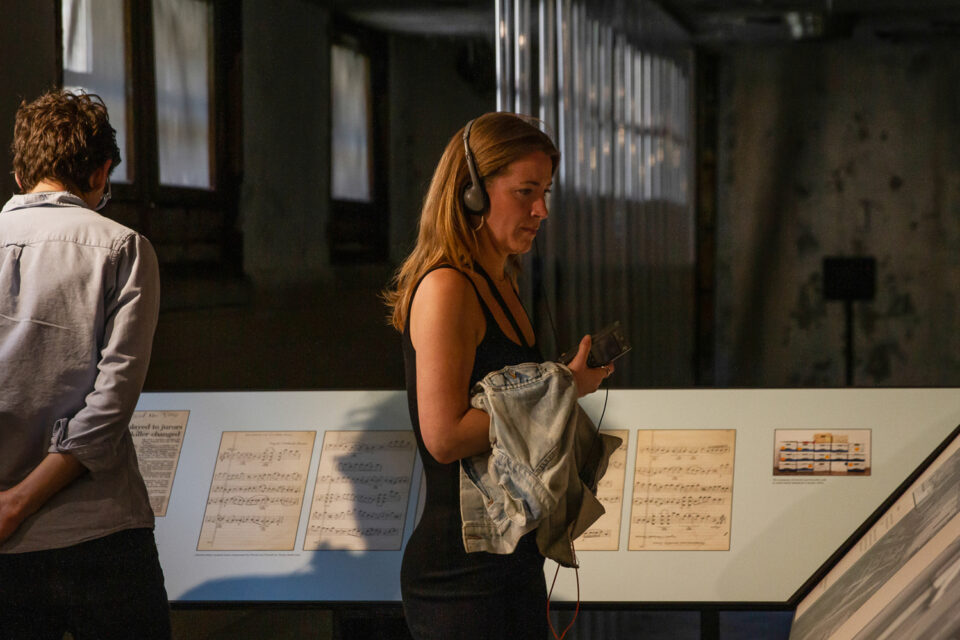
x=105, y=198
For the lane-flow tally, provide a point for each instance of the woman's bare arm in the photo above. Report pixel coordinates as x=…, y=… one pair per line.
x=446, y=325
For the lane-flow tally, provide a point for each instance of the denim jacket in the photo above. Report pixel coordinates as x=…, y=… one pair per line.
x=536, y=474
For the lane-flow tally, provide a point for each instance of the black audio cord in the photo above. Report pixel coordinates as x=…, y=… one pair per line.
x=556, y=341
x=590, y=482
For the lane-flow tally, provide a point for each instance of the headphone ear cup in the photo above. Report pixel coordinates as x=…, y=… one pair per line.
x=474, y=198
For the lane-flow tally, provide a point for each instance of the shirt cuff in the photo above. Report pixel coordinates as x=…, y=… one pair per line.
x=93, y=456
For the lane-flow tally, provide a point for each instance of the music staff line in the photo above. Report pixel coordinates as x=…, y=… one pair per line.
x=356, y=532
x=693, y=470
x=359, y=514
x=261, y=522
x=373, y=481
x=680, y=501
x=266, y=476
x=393, y=445
x=380, y=498
x=261, y=501
x=667, y=518
x=265, y=457
x=256, y=488
x=680, y=450
x=684, y=487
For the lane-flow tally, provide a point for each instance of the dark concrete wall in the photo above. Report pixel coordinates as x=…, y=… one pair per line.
x=834, y=148
x=28, y=67
x=284, y=201
x=436, y=86
x=286, y=142
x=838, y=148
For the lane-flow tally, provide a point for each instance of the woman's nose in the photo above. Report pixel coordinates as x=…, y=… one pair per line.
x=540, y=208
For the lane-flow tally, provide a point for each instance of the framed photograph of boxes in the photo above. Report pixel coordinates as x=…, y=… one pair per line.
x=821, y=452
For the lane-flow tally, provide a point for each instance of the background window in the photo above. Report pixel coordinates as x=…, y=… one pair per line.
x=94, y=61
x=181, y=35
x=351, y=123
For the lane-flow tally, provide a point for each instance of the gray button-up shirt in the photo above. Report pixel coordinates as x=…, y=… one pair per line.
x=79, y=295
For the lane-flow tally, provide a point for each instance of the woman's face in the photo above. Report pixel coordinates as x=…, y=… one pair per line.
x=517, y=205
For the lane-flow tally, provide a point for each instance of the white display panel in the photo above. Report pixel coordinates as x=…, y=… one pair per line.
x=782, y=528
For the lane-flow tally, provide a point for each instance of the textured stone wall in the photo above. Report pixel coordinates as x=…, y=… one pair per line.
x=28, y=67
x=432, y=95
x=843, y=148
x=284, y=199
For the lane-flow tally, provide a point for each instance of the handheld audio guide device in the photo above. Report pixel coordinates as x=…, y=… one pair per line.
x=608, y=344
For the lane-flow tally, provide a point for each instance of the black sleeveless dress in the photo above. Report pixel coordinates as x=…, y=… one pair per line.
x=447, y=592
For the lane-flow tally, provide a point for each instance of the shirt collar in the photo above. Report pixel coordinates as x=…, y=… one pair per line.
x=43, y=198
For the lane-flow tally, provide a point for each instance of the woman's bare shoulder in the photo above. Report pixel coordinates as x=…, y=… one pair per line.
x=446, y=283
x=446, y=295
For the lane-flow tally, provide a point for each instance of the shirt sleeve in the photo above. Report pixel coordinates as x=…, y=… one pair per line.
x=94, y=434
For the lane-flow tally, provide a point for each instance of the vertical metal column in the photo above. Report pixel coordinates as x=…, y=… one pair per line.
x=506, y=81
x=618, y=243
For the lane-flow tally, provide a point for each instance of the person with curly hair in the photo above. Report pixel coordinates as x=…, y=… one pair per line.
x=77, y=316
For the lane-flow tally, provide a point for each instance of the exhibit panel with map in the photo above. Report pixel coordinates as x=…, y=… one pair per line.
x=310, y=496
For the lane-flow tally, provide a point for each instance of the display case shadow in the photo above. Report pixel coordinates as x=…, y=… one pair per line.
x=260, y=604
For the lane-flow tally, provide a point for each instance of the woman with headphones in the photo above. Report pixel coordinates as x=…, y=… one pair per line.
x=455, y=300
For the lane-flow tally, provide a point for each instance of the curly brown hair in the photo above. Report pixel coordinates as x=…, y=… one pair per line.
x=62, y=136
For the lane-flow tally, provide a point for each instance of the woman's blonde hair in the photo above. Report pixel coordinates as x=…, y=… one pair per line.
x=445, y=233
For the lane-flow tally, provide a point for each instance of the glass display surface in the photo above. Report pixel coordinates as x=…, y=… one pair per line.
x=899, y=579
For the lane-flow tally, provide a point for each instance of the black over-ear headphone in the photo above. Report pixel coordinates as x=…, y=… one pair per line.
x=474, y=196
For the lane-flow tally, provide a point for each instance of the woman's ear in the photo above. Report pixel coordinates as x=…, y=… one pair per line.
x=17, y=178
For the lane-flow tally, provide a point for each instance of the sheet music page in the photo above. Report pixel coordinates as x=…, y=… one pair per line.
x=682, y=490
x=363, y=486
x=257, y=491
x=158, y=439
x=604, y=534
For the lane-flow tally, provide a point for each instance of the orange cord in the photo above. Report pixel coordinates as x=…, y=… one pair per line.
x=575, y=611
x=576, y=569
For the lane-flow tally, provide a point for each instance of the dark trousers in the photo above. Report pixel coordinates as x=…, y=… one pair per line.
x=107, y=588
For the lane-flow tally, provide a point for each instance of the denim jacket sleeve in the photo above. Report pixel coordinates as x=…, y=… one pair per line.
x=530, y=477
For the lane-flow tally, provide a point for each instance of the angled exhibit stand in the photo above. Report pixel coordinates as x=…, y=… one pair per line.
x=898, y=575
x=309, y=496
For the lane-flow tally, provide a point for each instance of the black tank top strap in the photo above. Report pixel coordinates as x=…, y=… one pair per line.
x=501, y=302
x=487, y=314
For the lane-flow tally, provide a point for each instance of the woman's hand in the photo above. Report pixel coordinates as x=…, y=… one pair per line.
x=588, y=379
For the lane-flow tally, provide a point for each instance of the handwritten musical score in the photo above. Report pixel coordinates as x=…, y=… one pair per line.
x=682, y=490
x=158, y=439
x=362, y=489
x=604, y=534
x=257, y=491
